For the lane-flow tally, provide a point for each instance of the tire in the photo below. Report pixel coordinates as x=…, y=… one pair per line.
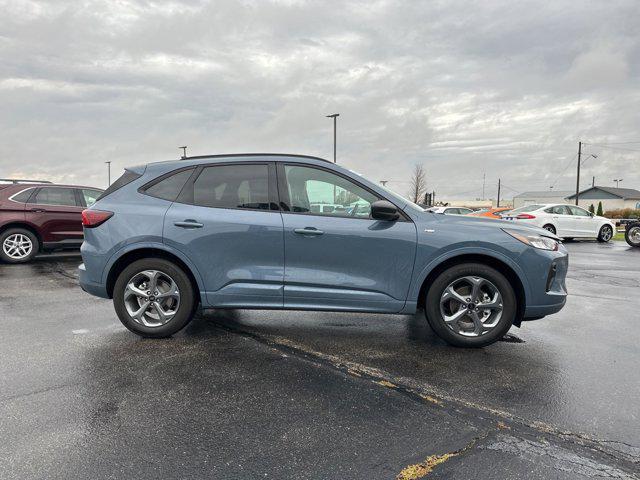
x=18, y=245
x=550, y=228
x=436, y=306
x=178, y=310
x=632, y=234
x=605, y=234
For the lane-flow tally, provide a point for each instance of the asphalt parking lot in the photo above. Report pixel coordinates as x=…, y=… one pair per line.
x=257, y=394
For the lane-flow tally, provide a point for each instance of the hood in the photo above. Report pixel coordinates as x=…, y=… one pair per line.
x=465, y=221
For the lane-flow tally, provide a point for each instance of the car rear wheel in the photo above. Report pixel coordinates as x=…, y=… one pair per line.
x=18, y=245
x=605, y=234
x=550, y=228
x=154, y=298
x=632, y=234
x=470, y=305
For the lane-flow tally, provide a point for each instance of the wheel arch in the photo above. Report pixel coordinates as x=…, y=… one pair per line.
x=150, y=252
x=503, y=267
x=25, y=226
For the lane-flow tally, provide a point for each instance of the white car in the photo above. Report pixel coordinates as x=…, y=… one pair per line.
x=563, y=220
x=450, y=210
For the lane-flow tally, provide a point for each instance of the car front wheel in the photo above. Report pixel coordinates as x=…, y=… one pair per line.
x=18, y=245
x=605, y=234
x=470, y=305
x=154, y=298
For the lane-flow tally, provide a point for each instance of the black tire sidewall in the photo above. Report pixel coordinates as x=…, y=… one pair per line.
x=600, y=239
x=437, y=323
x=187, y=298
x=25, y=232
x=552, y=230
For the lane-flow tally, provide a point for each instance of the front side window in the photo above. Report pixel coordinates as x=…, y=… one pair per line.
x=169, y=187
x=312, y=190
x=56, y=196
x=90, y=196
x=233, y=186
x=579, y=212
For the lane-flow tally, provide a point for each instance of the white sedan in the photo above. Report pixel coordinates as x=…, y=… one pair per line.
x=563, y=220
x=450, y=210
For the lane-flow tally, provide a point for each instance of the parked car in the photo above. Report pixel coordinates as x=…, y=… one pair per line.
x=632, y=234
x=450, y=210
x=238, y=231
x=495, y=213
x=38, y=216
x=566, y=221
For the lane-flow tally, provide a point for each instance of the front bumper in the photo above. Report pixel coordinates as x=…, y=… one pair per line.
x=548, y=281
x=97, y=289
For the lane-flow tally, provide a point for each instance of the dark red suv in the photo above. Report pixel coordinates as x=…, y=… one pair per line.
x=40, y=216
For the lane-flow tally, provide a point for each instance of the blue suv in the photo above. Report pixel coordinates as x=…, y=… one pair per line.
x=274, y=231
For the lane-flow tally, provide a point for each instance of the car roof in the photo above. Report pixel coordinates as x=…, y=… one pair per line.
x=238, y=157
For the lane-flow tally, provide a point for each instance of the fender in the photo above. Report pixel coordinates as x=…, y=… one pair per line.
x=158, y=246
x=422, y=274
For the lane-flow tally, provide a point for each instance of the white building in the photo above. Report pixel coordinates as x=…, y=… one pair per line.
x=612, y=198
x=547, y=196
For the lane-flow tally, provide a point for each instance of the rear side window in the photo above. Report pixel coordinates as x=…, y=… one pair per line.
x=127, y=177
x=233, y=186
x=56, y=196
x=170, y=186
x=22, y=197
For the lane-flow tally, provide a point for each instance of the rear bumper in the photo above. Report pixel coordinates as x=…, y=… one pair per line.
x=97, y=289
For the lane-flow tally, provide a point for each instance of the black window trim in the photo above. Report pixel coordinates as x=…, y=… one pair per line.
x=32, y=198
x=272, y=194
x=284, y=201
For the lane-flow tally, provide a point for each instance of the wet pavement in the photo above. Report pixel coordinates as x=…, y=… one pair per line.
x=266, y=394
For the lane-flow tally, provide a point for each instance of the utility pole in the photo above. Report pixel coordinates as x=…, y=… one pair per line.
x=578, y=175
x=184, y=151
x=108, y=173
x=484, y=176
x=334, y=116
x=593, y=181
x=498, y=201
x=433, y=197
x=617, y=180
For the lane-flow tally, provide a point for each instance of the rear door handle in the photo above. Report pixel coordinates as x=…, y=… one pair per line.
x=308, y=231
x=38, y=210
x=188, y=224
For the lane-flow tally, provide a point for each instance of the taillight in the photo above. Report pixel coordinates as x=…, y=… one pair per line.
x=525, y=216
x=93, y=218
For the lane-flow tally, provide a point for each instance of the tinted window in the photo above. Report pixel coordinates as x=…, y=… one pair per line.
x=56, y=196
x=526, y=208
x=312, y=190
x=23, y=196
x=169, y=187
x=451, y=211
x=233, y=186
x=90, y=196
x=126, y=178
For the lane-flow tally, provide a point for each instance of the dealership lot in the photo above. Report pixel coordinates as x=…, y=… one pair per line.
x=248, y=394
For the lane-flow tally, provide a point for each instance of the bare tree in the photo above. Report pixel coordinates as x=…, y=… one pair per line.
x=418, y=184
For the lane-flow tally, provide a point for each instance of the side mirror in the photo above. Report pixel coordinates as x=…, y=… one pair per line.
x=383, y=210
x=591, y=214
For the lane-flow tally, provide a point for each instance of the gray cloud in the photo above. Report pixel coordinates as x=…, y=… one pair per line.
x=506, y=88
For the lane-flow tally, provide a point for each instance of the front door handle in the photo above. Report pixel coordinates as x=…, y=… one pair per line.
x=308, y=231
x=38, y=210
x=189, y=223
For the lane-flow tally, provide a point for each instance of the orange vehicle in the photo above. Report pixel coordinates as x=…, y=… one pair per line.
x=491, y=213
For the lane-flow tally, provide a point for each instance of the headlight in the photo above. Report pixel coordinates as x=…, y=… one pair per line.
x=535, y=241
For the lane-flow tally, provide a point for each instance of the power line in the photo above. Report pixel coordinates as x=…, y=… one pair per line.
x=564, y=170
x=613, y=148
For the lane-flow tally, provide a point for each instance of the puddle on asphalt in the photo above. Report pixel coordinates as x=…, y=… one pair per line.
x=511, y=338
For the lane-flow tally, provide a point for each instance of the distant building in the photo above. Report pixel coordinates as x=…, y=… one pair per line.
x=612, y=198
x=547, y=196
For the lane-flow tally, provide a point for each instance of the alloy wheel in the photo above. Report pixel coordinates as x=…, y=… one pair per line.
x=471, y=306
x=152, y=298
x=634, y=234
x=607, y=233
x=17, y=246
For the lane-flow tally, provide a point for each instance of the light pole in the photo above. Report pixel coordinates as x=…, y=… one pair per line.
x=184, y=151
x=108, y=173
x=334, y=116
x=617, y=180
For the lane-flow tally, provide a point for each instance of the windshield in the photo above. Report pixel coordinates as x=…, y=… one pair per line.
x=410, y=205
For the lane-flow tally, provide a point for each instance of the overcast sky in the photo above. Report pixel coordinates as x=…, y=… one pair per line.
x=507, y=88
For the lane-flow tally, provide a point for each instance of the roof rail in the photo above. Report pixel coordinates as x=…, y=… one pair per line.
x=20, y=180
x=256, y=155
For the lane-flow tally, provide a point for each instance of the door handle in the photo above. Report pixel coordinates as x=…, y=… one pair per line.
x=38, y=210
x=308, y=231
x=189, y=223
